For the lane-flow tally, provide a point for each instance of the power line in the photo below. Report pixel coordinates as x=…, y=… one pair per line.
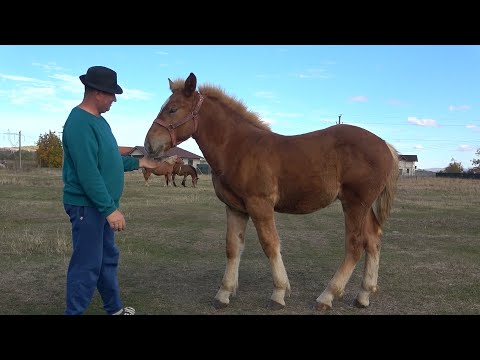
x=19, y=144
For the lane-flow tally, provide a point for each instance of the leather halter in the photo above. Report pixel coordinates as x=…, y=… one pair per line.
x=191, y=116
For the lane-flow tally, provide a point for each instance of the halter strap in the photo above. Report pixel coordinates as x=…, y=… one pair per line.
x=191, y=116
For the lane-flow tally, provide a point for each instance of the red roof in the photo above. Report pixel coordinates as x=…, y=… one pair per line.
x=124, y=150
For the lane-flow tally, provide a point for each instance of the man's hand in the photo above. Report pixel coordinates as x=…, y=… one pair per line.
x=117, y=221
x=148, y=163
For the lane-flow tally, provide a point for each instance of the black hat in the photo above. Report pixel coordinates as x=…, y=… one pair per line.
x=101, y=78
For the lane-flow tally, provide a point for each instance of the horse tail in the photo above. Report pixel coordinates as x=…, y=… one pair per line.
x=385, y=200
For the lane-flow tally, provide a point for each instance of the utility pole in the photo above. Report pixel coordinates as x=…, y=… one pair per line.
x=19, y=143
x=20, y=147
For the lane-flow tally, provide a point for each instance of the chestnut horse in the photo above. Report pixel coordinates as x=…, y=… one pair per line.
x=165, y=168
x=346, y=162
x=185, y=170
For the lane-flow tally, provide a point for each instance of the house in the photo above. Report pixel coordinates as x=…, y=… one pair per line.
x=406, y=165
x=189, y=158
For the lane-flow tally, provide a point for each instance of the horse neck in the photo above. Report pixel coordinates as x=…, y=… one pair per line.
x=217, y=129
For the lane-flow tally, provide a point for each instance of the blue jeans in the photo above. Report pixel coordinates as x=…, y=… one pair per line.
x=94, y=261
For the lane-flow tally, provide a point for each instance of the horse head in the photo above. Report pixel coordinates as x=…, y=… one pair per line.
x=177, y=119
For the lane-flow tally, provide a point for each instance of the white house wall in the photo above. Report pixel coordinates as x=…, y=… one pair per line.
x=406, y=168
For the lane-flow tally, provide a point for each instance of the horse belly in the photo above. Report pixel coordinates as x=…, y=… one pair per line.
x=305, y=202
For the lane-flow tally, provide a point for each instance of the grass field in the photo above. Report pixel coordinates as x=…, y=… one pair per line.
x=172, y=254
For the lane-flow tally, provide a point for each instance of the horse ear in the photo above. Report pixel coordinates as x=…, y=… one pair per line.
x=170, y=84
x=190, y=84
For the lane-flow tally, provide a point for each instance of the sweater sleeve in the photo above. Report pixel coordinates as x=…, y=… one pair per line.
x=130, y=163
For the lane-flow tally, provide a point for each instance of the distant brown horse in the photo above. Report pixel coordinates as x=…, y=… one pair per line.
x=165, y=168
x=346, y=162
x=185, y=170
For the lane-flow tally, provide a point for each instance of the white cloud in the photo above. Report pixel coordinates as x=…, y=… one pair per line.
x=465, y=148
x=396, y=102
x=29, y=94
x=49, y=67
x=471, y=126
x=264, y=94
x=422, y=122
x=18, y=78
x=418, y=147
x=267, y=120
x=134, y=94
x=289, y=115
x=459, y=108
x=314, y=74
x=359, y=98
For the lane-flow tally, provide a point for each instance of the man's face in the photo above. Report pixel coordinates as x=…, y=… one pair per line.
x=104, y=101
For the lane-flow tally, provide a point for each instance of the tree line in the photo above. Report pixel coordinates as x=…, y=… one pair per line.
x=49, y=153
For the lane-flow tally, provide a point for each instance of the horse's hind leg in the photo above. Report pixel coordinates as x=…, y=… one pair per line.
x=354, y=245
x=235, y=243
x=372, y=234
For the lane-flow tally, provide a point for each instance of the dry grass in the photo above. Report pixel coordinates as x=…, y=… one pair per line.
x=173, y=251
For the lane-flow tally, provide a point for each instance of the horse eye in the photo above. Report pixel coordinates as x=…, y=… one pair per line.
x=172, y=110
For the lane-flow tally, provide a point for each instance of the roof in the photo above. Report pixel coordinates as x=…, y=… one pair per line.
x=409, y=158
x=125, y=150
x=184, y=154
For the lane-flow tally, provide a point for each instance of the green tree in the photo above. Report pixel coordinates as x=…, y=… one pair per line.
x=50, y=150
x=454, y=167
x=476, y=162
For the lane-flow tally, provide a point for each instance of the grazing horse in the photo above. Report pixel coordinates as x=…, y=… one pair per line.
x=185, y=170
x=165, y=168
x=346, y=162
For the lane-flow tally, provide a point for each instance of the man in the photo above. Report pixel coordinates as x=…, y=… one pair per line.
x=93, y=176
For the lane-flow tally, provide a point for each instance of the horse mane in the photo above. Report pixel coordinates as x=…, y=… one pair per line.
x=171, y=159
x=215, y=92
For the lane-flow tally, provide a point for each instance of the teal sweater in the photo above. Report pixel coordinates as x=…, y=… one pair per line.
x=93, y=169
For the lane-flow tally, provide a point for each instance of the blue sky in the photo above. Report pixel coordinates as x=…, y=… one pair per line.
x=423, y=99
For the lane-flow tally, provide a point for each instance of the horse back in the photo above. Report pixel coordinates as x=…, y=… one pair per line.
x=303, y=173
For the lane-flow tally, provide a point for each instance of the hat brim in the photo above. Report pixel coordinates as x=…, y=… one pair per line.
x=117, y=90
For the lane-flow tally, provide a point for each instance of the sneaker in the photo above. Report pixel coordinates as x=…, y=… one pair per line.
x=126, y=311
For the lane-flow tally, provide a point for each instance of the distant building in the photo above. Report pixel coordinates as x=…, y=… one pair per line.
x=406, y=165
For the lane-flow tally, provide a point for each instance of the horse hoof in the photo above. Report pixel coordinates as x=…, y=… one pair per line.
x=359, y=305
x=219, y=305
x=273, y=305
x=322, y=307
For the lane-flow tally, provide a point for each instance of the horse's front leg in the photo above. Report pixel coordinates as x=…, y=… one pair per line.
x=173, y=180
x=235, y=243
x=168, y=178
x=264, y=221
